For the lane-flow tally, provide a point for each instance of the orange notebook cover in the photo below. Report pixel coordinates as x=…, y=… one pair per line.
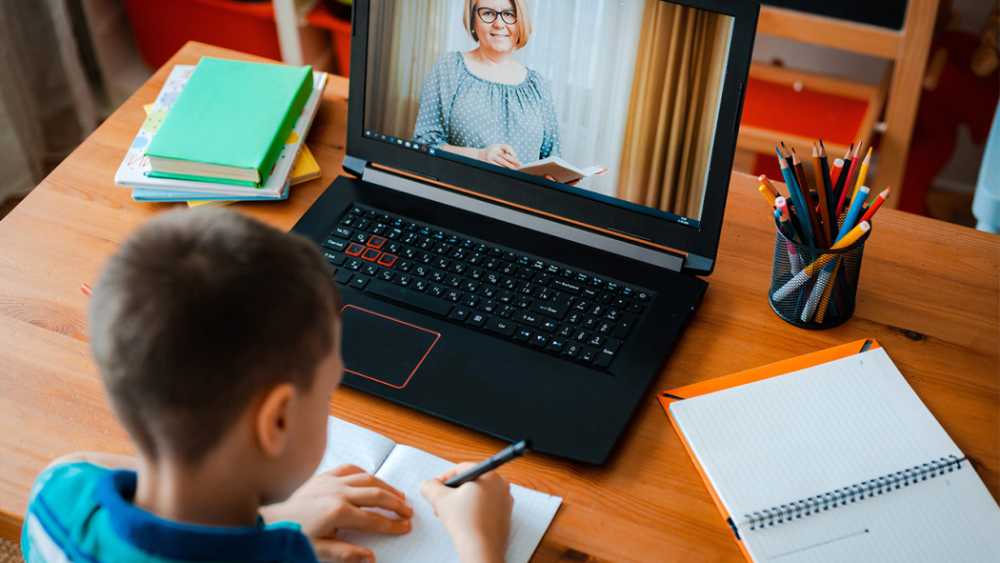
x=782, y=367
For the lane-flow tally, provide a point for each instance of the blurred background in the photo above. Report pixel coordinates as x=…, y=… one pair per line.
x=917, y=79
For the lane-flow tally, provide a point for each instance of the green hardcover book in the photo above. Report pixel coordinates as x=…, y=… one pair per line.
x=230, y=122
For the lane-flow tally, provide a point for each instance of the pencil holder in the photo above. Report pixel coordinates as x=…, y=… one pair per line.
x=814, y=288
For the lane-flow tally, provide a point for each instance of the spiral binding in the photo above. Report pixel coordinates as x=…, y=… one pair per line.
x=853, y=493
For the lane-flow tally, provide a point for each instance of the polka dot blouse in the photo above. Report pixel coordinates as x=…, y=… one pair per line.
x=459, y=108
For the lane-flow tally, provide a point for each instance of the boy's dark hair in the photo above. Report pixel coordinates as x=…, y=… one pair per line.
x=198, y=312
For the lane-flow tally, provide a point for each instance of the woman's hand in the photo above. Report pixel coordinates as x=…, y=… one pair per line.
x=501, y=155
x=476, y=514
x=336, y=500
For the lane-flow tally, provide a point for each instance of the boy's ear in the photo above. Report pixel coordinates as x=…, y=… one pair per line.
x=274, y=418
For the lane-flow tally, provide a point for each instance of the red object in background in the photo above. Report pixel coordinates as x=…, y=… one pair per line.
x=161, y=28
x=808, y=114
x=960, y=98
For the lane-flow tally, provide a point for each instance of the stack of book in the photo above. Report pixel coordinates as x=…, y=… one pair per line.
x=225, y=131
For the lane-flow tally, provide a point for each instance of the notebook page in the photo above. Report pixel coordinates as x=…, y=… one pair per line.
x=951, y=517
x=348, y=443
x=406, y=468
x=809, y=432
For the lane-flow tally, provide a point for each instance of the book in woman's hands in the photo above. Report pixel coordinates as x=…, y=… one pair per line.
x=405, y=468
x=558, y=169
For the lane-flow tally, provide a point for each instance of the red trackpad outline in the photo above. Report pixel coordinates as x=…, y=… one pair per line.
x=382, y=378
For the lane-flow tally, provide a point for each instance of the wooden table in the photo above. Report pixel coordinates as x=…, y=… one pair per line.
x=929, y=293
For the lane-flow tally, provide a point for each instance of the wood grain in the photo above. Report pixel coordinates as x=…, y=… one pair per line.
x=929, y=292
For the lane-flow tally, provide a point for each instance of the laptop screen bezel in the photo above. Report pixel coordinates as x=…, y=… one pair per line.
x=701, y=240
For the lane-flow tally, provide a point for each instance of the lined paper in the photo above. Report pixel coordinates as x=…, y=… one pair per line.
x=406, y=468
x=812, y=431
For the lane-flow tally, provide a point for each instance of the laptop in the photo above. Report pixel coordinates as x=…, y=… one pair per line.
x=538, y=196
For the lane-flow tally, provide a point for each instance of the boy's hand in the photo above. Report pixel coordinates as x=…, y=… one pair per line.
x=476, y=514
x=335, y=500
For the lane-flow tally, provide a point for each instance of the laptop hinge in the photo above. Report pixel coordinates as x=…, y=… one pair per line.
x=452, y=196
x=355, y=165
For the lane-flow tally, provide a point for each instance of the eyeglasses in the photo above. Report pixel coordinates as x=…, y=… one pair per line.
x=489, y=15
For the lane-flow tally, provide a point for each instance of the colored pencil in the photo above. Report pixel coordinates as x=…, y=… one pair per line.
x=876, y=203
x=802, y=277
x=863, y=171
x=853, y=212
x=821, y=195
x=824, y=167
x=807, y=199
x=797, y=199
x=841, y=187
x=763, y=179
x=766, y=194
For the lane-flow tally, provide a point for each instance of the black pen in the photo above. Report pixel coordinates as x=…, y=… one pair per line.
x=509, y=453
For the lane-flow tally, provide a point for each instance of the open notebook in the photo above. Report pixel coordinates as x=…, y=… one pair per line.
x=838, y=462
x=406, y=468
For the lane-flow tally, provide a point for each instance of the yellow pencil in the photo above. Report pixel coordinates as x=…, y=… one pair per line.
x=862, y=172
x=766, y=182
x=766, y=194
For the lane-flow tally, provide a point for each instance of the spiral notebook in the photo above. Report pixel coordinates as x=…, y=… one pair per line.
x=839, y=461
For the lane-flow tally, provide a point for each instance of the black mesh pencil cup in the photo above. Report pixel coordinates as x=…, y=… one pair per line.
x=814, y=288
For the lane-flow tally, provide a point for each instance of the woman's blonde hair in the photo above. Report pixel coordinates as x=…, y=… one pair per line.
x=522, y=27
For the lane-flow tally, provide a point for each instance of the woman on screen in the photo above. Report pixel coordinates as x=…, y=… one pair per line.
x=483, y=104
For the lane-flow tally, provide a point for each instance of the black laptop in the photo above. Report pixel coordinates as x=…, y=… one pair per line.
x=538, y=196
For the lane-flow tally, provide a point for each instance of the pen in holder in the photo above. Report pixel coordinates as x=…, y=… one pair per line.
x=814, y=288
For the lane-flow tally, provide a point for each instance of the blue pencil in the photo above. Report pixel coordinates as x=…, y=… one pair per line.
x=854, y=211
x=797, y=199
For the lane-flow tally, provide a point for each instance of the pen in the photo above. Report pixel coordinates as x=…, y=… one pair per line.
x=509, y=453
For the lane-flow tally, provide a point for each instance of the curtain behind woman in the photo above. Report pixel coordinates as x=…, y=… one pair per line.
x=673, y=107
x=405, y=41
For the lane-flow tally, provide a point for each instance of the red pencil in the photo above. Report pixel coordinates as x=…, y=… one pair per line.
x=875, y=205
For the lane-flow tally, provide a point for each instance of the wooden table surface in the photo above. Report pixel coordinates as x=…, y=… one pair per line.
x=929, y=292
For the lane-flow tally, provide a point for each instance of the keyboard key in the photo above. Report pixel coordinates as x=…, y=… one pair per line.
x=596, y=340
x=549, y=326
x=343, y=276
x=528, y=318
x=359, y=282
x=477, y=319
x=571, y=350
x=370, y=270
x=387, y=275
x=459, y=313
x=539, y=341
x=522, y=334
x=387, y=260
x=360, y=238
x=408, y=297
x=563, y=285
x=354, y=264
x=376, y=242
x=588, y=355
x=342, y=232
x=643, y=296
x=334, y=258
x=436, y=290
x=354, y=249
x=335, y=244
x=623, y=327
x=555, y=310
x=371, y=254
x=501, y=326
x=556, y=345
x=453, y=296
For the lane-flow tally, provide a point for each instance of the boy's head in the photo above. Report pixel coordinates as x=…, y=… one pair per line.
x=211, y=331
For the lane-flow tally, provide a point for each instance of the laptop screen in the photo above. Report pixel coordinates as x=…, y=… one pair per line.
x=614, y=100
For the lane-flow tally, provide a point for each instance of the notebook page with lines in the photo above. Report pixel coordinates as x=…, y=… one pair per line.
x=405, y=468
x=837, y=462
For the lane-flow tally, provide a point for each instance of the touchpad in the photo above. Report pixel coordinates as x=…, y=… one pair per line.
x=382, y=348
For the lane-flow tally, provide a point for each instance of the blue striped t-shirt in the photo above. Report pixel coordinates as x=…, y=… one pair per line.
x=82, y=512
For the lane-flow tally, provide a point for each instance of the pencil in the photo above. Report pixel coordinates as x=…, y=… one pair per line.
x=824, y=301
x=841, y=187
x=876, y=203
x=863, y=171
x=807, y=199
x=824, y=167
x=799, y=203
x=763, y=179
x=821, y=194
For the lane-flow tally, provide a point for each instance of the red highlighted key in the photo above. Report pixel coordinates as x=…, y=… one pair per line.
x=354, y=249
x=376, y=241
x=387, y=260
x=371, y=254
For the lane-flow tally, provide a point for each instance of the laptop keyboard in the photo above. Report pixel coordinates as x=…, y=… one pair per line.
x=567, y=312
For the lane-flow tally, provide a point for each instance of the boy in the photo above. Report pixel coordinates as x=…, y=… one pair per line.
x=217, y=339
